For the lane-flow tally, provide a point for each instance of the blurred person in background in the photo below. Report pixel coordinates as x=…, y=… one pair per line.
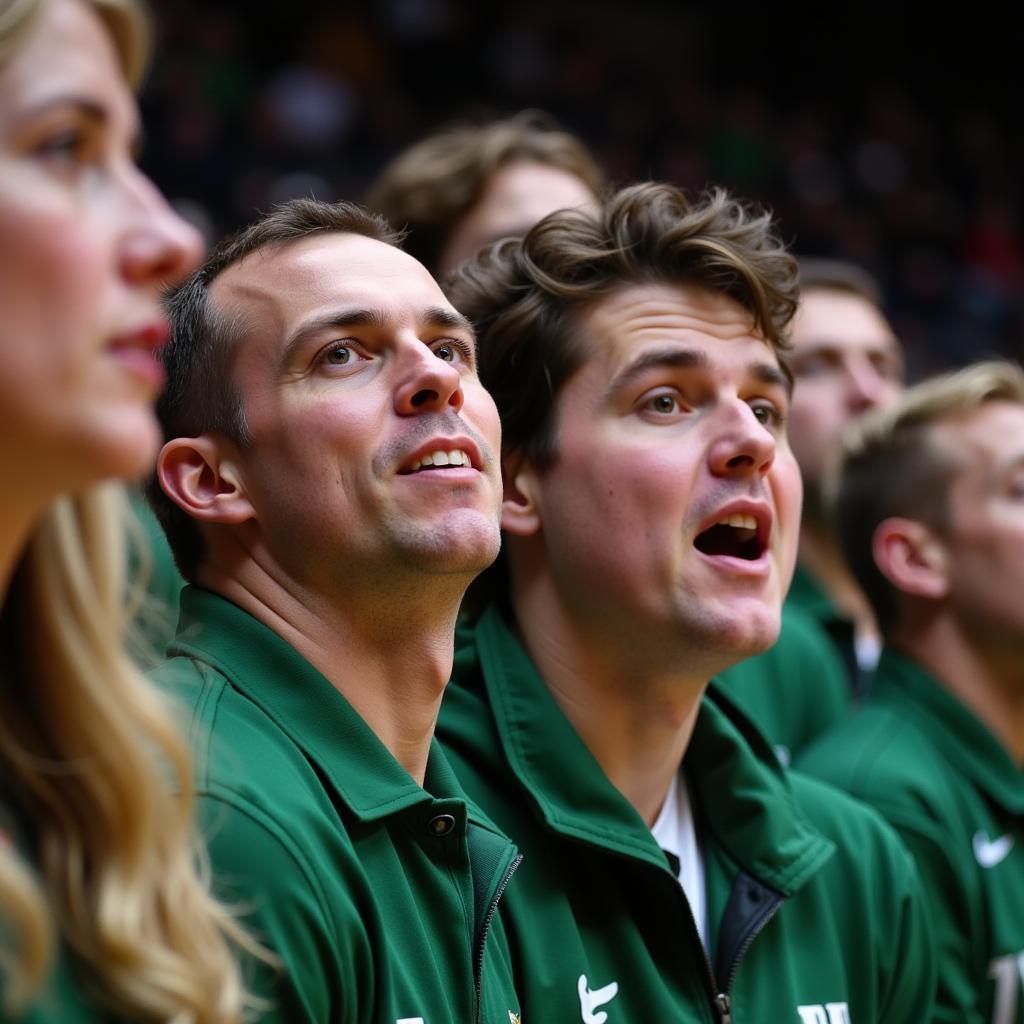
x=846, y=360
x=104, y=907
x=465, y=186
x=930, y=513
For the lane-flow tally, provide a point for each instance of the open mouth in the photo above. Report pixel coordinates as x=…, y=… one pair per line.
x=438, y=460
x=735, y=536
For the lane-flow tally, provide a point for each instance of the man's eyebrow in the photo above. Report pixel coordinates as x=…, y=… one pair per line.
x=658, y=358
x=777, y=376
x=439, y=316
x=692, y=359
x=342, y=319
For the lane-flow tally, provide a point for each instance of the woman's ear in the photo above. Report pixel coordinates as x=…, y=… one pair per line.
x=202, y=477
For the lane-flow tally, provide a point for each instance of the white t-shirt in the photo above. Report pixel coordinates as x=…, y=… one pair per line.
x=674, y=831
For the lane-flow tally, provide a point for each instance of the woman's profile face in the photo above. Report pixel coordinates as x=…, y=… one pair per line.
x=86, y=243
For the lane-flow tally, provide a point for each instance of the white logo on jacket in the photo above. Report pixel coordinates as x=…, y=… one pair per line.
x=990, y=852
x=591, y=1000
x=830, y=1013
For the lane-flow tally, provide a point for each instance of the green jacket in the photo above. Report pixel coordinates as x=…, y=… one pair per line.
x=946, y=783
x=795, y=691
x=806, y=596
x=813, y=905
x=378, y=895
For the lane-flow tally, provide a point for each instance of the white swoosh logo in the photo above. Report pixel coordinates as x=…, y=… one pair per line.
x=990, y=852
x=590, y=1001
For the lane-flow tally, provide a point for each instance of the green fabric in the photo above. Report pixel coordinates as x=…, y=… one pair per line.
x=795, y=691
x=948, y=786
x=323, y=837
x=595, y=902
x=63, y=999
x=806, y=594
x=154, y=621
x=807, y=597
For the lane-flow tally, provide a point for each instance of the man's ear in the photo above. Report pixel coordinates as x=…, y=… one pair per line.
x=201, y=476
x=912, y=557
x=520, y=510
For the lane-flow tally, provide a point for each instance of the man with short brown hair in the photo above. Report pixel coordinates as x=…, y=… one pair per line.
x=331, y=485
x=672, y=871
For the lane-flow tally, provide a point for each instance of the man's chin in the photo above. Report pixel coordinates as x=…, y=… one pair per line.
x=745, y=636
x=466, y=547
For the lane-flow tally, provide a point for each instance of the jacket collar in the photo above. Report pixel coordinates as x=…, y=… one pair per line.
x=743, y=795
x=306, y=707
x=965, y=741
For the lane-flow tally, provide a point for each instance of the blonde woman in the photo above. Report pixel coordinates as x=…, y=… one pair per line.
x=104, y=913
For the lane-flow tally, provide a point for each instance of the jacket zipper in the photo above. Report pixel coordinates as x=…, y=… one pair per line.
x=720, y=999
x=486, y=927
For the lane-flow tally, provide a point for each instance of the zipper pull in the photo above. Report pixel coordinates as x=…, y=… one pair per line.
x=724, y=1008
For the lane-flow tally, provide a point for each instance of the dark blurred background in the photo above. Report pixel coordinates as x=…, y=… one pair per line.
x=881, y=133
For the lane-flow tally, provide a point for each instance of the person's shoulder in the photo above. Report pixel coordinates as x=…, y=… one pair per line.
x=880, y=756
x=870, y=859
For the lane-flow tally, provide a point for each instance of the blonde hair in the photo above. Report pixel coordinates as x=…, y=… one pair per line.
x=91, y=760
x=891, y=466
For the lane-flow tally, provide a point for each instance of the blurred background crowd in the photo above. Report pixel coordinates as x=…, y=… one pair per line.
x=880, y=133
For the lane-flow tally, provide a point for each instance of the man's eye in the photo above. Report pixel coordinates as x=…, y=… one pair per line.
x=454, y=351
x=339, y=355
x=663, y=404
x=767, y=414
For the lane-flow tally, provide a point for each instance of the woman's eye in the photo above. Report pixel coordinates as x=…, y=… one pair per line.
x=68, y=147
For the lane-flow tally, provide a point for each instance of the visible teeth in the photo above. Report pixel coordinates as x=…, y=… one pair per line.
x=739, y=521
x=456, y=457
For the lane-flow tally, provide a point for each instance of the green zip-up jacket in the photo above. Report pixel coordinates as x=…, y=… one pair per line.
x=379, y=896
x=814, y=909
x=949, y=787
x=797, y=690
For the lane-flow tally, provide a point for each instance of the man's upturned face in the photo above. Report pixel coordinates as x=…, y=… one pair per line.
x=845, y=360
x=672, y=508
x=985, y=547
x=374, y=445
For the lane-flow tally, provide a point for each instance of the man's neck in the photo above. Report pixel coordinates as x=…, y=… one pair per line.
x=635, y=720
x=984, y=680
x=389, y=655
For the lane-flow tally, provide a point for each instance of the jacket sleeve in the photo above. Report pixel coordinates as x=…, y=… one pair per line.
x=911, y=981
x=959, y=983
